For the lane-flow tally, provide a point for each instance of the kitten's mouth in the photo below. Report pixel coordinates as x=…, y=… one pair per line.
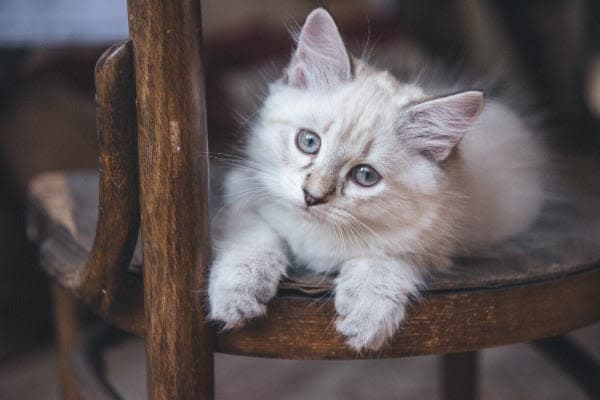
x=307, y=210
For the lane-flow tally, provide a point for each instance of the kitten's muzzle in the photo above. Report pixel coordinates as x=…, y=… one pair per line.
x=312, y=200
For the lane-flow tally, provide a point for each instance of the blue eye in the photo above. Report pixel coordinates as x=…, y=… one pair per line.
x=308, y=142
x=365, y=175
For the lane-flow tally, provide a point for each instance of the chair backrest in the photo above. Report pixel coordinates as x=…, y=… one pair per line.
x=174, y=193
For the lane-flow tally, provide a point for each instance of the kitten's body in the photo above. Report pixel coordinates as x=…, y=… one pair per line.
x=454, y=179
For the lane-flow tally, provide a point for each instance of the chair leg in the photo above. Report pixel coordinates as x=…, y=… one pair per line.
x=573, y=360
x=459, y=376
x=66, y=326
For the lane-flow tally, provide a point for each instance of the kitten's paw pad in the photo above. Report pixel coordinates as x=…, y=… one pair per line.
x=367, y=320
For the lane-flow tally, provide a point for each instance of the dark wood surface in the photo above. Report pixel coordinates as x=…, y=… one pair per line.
x=99, y=274
x=118, y=222
x=172, y=135
x=547, y=295
x=455, y=321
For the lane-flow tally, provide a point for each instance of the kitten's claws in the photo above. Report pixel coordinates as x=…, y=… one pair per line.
x=219, y=326
x=368, y=321
x=241, y=284
x=362, y=338
x=233, y=309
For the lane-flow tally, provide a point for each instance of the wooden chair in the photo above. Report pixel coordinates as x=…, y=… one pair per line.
x=152, y=138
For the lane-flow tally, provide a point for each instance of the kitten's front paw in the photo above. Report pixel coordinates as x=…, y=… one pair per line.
x=240, y=292
x=366, y=318
x=234, y=305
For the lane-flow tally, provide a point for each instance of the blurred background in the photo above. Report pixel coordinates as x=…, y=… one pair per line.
x=545, y=51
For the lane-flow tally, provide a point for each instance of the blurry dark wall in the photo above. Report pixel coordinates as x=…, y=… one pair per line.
x=47, y=122
x=24, y=300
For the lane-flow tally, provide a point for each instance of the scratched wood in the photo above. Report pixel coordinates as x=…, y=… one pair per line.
x=97, y=273
x=169, y=70
x=118, y=223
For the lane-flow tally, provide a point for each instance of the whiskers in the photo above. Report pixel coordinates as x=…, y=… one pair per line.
x=346, y=232
x=238, y=181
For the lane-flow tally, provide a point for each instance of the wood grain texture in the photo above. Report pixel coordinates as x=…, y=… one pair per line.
x=97, y=274
x=174, y=195
x=299, y=327
x=558, y=294
x=118, y=212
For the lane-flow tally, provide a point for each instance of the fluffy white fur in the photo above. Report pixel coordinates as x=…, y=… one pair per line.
x=456, y=176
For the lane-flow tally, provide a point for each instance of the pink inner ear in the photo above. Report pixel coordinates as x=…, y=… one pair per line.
x=436, y=126
x=321, y=57
x=299, y=76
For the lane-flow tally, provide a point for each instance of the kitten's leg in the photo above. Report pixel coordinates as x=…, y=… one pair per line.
x=246, y=272
x=370, y=299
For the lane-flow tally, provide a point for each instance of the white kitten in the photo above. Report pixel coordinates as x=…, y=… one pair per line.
x=349, y=170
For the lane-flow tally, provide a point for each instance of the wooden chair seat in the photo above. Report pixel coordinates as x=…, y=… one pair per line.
x=481, y=303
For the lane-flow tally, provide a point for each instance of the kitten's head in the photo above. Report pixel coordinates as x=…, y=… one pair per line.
x=344, y=143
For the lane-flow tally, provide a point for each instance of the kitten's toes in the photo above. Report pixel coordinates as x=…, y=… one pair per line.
x=239, y=294
x=360, y=335
x=234, y=308
x=367, y=322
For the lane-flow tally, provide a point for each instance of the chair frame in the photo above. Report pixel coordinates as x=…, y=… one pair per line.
x=157, y=126
x=172, y=137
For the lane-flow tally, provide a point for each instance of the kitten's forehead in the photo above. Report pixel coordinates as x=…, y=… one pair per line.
x=362, y=115
x=356, y=119
x=370, y=90
x=369, y=100
x=375, y=85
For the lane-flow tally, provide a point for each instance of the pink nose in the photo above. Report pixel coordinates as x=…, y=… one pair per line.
x=311, y=200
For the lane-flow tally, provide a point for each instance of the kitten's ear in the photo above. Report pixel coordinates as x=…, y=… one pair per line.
x=321, y=57
x=435, y=127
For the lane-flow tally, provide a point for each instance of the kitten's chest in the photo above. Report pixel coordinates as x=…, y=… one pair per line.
x=312, y=253
x=311, y=245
